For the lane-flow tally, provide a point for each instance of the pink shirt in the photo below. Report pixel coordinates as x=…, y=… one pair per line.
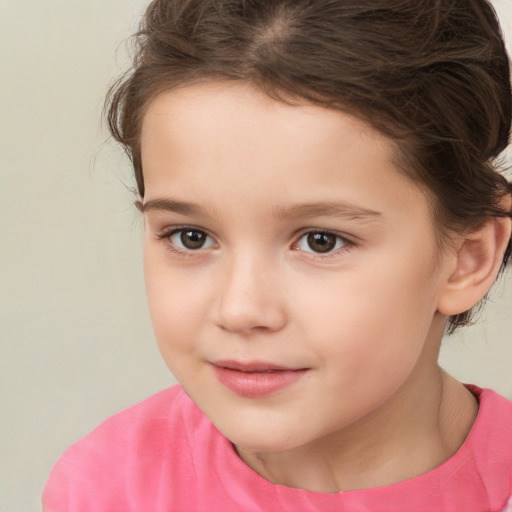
x=164, y=455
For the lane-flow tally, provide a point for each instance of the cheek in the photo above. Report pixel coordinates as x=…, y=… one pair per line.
x=374, y=318
x=176, y=299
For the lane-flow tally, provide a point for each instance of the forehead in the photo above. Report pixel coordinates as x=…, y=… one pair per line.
x=224, y=137
x=230, y=113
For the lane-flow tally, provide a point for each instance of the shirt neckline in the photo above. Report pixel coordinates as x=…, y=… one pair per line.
x=477, y=477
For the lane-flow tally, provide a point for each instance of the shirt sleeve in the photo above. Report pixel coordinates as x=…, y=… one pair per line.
x=116, y=464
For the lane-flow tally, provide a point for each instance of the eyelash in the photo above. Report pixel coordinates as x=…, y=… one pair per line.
x=347, y=244
x=166, y=234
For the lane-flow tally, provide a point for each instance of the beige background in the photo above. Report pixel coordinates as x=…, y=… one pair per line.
x=76, y=342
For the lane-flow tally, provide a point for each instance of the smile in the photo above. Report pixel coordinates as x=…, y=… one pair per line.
x=255, y=380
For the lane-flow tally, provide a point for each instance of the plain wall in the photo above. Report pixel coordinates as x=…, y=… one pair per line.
x=76, y=341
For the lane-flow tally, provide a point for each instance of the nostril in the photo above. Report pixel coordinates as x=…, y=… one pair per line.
x=244, y=330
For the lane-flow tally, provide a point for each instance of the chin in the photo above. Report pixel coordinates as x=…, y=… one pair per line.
x=261, y=438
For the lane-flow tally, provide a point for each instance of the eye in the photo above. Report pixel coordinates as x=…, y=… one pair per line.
x=190, y=239
x=321, y=242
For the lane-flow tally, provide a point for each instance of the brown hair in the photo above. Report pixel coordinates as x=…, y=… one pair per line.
x=431, y=75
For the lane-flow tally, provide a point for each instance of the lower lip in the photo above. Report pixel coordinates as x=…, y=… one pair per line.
x=257, y=384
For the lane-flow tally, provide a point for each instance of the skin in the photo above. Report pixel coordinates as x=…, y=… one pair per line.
x=373, y=407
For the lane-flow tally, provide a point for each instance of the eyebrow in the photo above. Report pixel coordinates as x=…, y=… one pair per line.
x=170, y=205
x=326, y=209
x=304, y=210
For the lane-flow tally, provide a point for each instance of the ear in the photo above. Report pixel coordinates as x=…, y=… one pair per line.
x=474, y=266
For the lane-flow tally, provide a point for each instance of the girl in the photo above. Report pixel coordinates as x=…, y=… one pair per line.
x=320, y=206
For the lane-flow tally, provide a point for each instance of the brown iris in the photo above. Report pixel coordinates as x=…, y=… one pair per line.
x=321, y=242
x=192, y=239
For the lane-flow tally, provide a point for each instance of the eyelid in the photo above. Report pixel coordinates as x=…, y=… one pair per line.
x=348, y=243
x=344, y=236
x=169, y=230
x=166, y=233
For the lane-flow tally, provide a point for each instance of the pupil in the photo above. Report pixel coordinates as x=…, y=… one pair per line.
x=192, y=239
x=321, y=242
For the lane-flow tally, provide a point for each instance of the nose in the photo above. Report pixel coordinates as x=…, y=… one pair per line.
x=250, y=297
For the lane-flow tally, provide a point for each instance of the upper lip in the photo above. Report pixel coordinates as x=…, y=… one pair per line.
x=253, y=366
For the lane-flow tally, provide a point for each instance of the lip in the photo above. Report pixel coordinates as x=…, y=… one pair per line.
x=256, y=379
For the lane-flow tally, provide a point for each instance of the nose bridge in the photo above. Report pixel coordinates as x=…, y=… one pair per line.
x=249, y=295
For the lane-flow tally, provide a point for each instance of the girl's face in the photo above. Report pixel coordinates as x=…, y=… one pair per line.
x=291, y=270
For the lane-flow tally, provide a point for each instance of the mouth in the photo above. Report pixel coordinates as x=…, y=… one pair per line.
x=256, y=379
x=254, y=367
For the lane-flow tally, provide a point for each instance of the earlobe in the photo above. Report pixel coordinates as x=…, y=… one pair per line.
x=477, y=263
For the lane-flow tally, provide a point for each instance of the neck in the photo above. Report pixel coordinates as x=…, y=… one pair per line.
x=419, y=428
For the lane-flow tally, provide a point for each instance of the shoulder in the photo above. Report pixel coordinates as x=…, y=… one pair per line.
x=140, y=423
x=134, y=446
x=494, y=409
x=490, y=443
x=492, y=430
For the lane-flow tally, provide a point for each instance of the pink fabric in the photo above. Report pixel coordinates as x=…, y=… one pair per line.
x=164, y=455
x=508, y=506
